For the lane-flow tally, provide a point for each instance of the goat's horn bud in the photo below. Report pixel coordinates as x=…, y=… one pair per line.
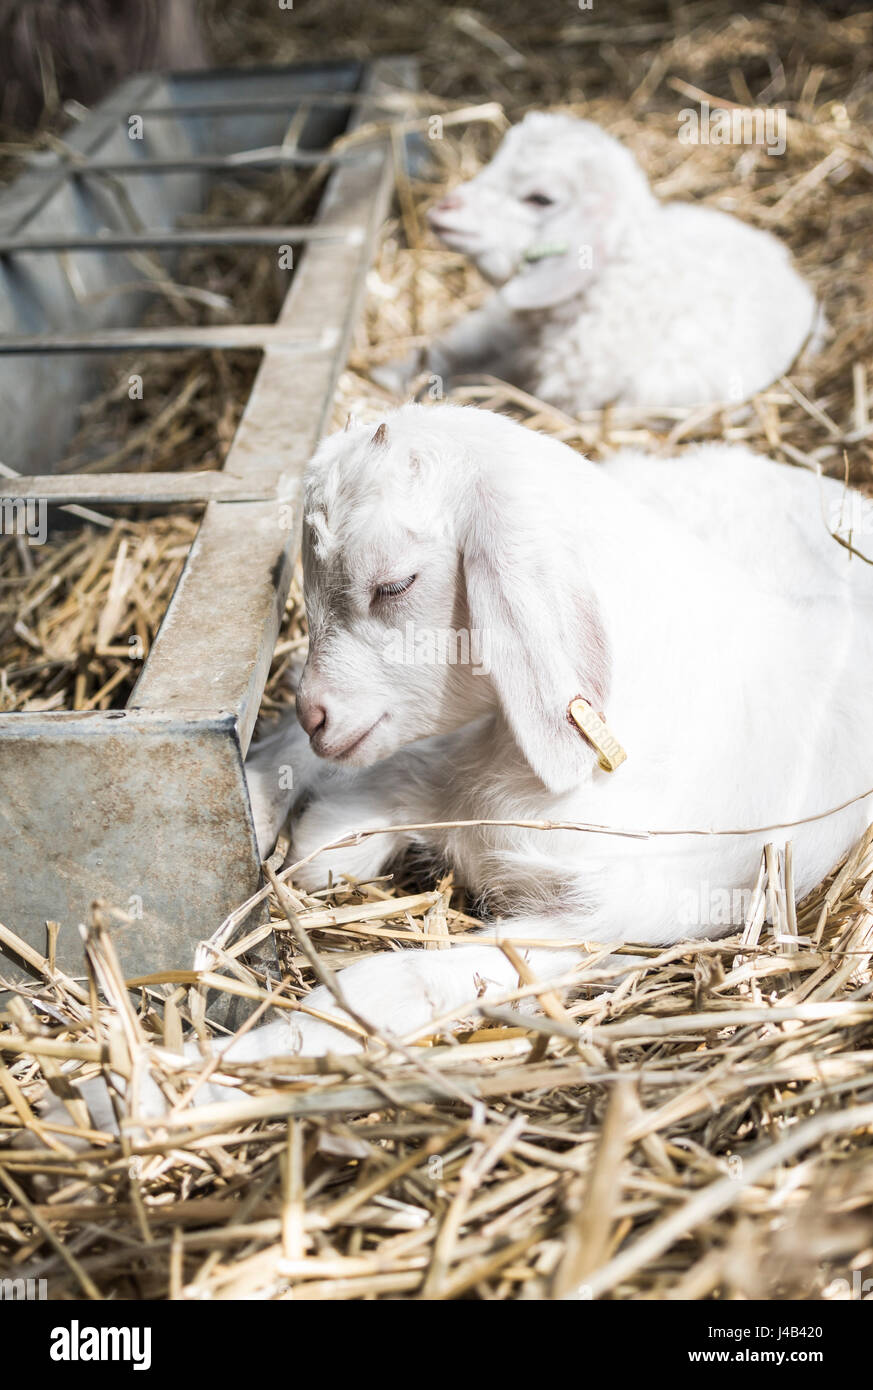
x=380, y=438
x=350, y=424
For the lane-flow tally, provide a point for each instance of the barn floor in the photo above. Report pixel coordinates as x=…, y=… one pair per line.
x=700, y=1127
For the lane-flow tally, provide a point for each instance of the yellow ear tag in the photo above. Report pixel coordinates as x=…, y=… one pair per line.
x=610, y=753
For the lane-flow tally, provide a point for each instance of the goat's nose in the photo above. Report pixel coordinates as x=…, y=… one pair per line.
x=450, y=203
x=312, y=715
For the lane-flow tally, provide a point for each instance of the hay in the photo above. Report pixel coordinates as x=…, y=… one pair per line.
x=697, y=1125
x=692, y=1123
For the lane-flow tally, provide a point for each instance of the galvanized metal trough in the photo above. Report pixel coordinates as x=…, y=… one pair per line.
x=147, y=807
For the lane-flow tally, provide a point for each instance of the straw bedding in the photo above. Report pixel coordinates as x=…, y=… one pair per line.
x=698, y=1127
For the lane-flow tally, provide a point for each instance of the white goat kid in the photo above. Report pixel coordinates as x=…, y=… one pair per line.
x=606, y=295
x=700, y=603
x=706, y=610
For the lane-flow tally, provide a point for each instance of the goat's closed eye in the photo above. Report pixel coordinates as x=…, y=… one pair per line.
x=393, y=589
x=539, y=200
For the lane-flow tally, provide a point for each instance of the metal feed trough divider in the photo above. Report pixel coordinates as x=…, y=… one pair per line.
x=147, y=807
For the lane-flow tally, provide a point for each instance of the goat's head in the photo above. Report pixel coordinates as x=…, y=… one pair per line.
x=441, y=583
x=546, y=214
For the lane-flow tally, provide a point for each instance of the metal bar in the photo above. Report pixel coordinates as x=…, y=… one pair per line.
x=179, y=337
x=83, y=513
x=168, y=239
x=270, y=157
x=117, y=488
x=217, y=638
x=390, y=101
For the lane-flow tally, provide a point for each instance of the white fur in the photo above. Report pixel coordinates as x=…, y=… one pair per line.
x=699, y=602
x=679, y=305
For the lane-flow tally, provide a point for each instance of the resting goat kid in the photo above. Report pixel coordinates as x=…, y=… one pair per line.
x=699, y=603
x=606, y=295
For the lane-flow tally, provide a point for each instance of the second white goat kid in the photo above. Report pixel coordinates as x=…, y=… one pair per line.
x=607, y=296
x=705, y=611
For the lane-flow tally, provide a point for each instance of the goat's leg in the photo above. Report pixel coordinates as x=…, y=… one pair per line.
x=392, y=995
x=484, y=340
x=401, y=993
x=282, y=771
x=351, y=802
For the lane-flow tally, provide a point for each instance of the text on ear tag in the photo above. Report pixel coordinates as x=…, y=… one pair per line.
x=610, y=753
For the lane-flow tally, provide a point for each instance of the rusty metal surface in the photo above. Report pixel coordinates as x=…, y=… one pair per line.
x=147, y=812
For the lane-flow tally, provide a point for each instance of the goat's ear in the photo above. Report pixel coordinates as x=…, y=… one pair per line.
x=541, y=634
x=570, y=253
x=549, y=280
